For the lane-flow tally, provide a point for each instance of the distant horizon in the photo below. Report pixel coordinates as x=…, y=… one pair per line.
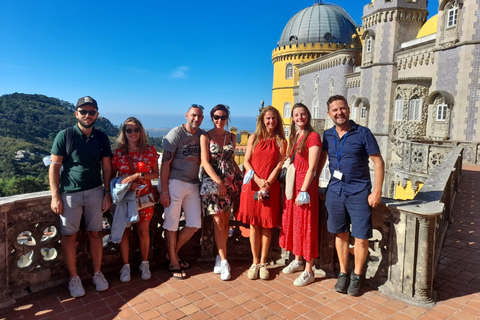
x=159, y=121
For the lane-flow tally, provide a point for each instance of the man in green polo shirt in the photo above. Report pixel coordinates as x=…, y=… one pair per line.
x=77, y=189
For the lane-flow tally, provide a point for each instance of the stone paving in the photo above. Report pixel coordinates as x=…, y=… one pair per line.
x=204, y=296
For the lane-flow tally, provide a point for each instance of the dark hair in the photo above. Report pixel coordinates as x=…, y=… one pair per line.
x=261, y=130
x=293, y=131
x=122, y=141
x=221, y=107
x=335, y=98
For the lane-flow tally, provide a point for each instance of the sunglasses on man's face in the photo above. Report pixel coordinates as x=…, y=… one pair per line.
x=220, y=117
x=136, y=130
x=90, y=112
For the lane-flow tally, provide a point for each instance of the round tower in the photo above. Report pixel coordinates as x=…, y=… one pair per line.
x=311, y=33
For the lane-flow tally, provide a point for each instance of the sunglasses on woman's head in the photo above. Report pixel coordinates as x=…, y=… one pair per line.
x=137, y=130
x=220, y=117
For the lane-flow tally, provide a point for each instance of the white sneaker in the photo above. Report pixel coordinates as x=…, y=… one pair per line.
x=75, y=287
x=145, y=268
x=225, y=275
x=125, y=273
x=101, y=284
x=218, y=262
x=294, y=266
x=304, y=278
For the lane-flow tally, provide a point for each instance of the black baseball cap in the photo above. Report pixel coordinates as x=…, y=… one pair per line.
x=87, y=100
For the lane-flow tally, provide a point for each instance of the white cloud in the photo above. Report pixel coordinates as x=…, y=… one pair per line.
x=180, y=72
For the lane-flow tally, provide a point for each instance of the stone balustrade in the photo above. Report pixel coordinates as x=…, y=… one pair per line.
x=402, y=259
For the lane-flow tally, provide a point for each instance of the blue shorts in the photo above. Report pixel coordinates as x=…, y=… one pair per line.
x=345, y=210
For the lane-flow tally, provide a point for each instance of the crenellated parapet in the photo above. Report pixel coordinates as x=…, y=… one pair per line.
x=397, y=14
x=308, y=51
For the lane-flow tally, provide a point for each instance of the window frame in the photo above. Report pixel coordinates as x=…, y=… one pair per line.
x=415, y=106
x=441, y=114
x=363, y=113
x=287, y=106
x=452, y=16
x=398, y=112
x=289, y=71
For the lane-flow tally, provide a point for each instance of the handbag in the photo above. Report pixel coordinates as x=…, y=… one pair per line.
x=282, y=177
x=145, y=201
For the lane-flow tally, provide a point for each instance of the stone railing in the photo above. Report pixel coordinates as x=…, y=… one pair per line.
x=404, y=258
x=403, y=253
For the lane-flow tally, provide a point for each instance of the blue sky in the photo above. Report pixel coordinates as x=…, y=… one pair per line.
x=148, y=58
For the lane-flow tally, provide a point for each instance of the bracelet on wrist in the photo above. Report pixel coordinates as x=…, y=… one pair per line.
x=163, y=192
x=106, y=191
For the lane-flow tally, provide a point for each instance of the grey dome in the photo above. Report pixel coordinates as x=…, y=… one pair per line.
x=319, y=23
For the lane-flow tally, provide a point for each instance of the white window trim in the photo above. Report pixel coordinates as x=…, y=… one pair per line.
x=415, y=109
x=398, y=115
x=441, y=115
x=289, y=71
x=287, y=110
x=452, y=16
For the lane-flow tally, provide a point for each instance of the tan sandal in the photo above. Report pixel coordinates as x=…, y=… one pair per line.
x=264, y=274
x=253, y=272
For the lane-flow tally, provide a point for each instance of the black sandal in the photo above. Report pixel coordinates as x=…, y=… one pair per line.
x=177, y=271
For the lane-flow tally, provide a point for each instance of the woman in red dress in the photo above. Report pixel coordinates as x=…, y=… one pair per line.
x=299, y=232
x=265, y=154
x=137, y=161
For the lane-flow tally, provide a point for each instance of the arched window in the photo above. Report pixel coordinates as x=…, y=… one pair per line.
x=452, y=16
x=287, y=110
x=398, y=116
x=289, y=71
x=415, y=109
x=315, y=108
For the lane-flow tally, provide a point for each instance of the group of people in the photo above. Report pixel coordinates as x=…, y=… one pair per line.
x=223, y=190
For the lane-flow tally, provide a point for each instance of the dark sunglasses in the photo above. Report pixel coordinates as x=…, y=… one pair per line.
x=197, y=106
x=90, y=112
x=220, y=117
x=136, y=130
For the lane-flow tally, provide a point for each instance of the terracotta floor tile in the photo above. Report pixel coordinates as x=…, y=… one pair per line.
x=239, y=311
x=150, y=314
x=175, y=314
x=189, y=309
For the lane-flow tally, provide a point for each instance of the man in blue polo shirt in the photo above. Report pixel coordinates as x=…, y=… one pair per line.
x=77, y=190
x=349, y=199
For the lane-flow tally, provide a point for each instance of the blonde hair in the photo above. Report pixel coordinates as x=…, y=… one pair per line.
x=261, y=131
x=122, y=141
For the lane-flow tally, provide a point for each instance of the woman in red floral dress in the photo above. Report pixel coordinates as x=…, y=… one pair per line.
x=137, y=161
x=299, y=232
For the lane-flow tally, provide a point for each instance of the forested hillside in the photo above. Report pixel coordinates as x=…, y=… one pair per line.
x=28, y=126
